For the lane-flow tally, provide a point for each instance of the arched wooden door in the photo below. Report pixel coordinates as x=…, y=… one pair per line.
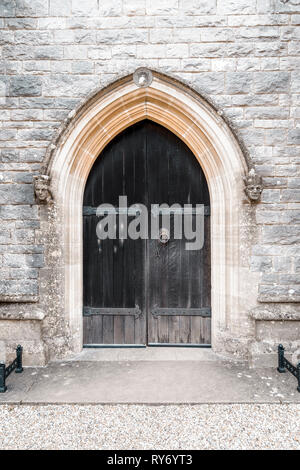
x=144, y=292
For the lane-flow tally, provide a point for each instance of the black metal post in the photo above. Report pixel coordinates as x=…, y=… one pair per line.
x=281, y=367
x=19, y=352
x=3, y=387
x=298, y=370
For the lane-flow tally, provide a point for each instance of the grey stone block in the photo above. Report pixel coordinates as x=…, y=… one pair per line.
x=31, y=7
x=25, y=155
x=36, y=134
x=292, y=216
x=286, y=6
x=200, y=7
x=268, y=217
x=19, y=287
x=90, y=8
x=282, y=264
x=273, y=291
x=16, y=194
x=20, y=260
x=82, y=67
x=17, y=177
x=294, y=183
x=27, y=273
x=23, y=236
x=7, y=8
x=26, y=115
x=238, y=82
x=6, y=37
x=85, y=37
x=269, y=278
x=253, y=136
x=37, y=66
x=275, y=136
x=261, y=263
x=294, y=137
x=33, y=38
x=269, y=49
x=115, y=8
x=270, y=82
x=266, y=112
x=127, y=36
x=59, y=8
x=26, y=85
x=18, y=52
x=23, y=212
x=158, y=7
x=5, y=236
x=22, y=249
x=33, y=224
x=21, y=23
x=282, y=234
x=291, y=195
x=196, y=65
x=270, y=195
x=211, y=83
x=8, y=134
x=236, y=7
x=289, y=279
x=134, y=7
x=258, y=33
x=97, y=53
x=48, y=52
x=66, y=85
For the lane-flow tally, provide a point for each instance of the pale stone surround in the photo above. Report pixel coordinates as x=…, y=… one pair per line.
x=213, y=144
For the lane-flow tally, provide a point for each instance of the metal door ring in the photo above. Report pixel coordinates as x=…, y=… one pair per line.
x=164, y=235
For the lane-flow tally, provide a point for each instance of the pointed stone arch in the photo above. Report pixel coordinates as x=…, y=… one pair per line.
x=194, y=121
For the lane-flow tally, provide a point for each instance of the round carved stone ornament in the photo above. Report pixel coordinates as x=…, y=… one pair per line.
x=142, y=77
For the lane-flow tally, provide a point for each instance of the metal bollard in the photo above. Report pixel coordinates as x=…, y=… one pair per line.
x=281, y=367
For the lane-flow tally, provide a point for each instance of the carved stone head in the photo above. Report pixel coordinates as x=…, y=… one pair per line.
x=253, y=185
x=42, y=189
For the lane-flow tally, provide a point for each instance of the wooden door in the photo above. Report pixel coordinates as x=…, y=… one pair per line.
x=139, y=292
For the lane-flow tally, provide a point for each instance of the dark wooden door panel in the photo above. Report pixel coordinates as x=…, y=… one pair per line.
x=178, y=278
x=168, y=286
x=114, y=270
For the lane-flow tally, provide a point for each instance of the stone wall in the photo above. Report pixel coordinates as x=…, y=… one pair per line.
x=241, y=55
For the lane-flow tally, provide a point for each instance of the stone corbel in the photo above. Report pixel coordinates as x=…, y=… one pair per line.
x=42, y=189
x=253, y=186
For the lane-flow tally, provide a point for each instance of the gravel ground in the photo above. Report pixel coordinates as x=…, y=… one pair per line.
x=150, y=427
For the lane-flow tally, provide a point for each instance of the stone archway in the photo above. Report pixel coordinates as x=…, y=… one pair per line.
x=194, y=121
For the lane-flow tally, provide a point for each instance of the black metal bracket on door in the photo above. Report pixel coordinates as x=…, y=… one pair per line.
x=284, y=365
x=16, y=366
x=201, y=312
x=136, y=311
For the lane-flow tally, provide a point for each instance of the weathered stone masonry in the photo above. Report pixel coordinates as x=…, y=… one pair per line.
x=242, y=56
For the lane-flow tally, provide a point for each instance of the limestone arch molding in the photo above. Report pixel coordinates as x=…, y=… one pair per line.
x=193, y=120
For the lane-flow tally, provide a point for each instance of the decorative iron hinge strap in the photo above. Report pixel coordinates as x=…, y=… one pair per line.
x=89, y=311
x=201, y=312
x=133, y=211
